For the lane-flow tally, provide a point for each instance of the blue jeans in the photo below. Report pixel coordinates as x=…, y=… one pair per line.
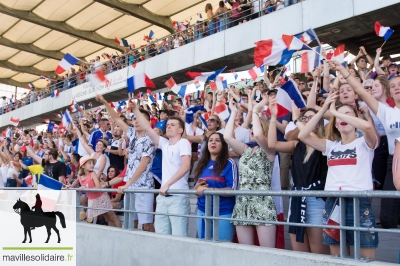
x=11, y=182
x=226, y=228
x=223, y=24
x=211, y=28
x=290, y=2
x=368, y=239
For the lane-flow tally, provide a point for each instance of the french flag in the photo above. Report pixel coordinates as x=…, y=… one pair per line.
x=218, y=85
x=121, y=42
x=205, y=76
x=382, y=31
x=197, y=84
x=200, y=94
x=43, y=76
x=285, y=95
x=151, y=34
x=337, y=54
x=308, y=36
x=49, y=190
x=81, y=107
x=74, y=108
x=235, y=75
x=66, y=120
x=223, y=111
x=66, y=63
x=293, y=43
x=169, y=97
x=58, y=115
x=73, y=102
x=271, y=52
x=55, y=93
x=98, y=77
x=98, y=110
x=50, y=126
x=179, y=90
x=14, y=121
x=310, y=60
x=158, y=96
x=106, y=56
x=204, y=118
x=255, y=72
x=151, y=97
x=139, y=80
x=30, y=85
x=90, y=104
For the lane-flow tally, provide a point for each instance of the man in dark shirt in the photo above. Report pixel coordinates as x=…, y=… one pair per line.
x=52, y=167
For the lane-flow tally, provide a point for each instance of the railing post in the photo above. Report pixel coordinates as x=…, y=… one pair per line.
x=216, y=215
x=132, y=199
x=207, y=228
x=126, y=207
x=78, y=203
x=343, y=249
x=146, y=52
x=356, y=210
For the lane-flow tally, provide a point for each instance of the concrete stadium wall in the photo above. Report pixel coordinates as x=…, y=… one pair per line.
x=292, y=20
x=100, y=245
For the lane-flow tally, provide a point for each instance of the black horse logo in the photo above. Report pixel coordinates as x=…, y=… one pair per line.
x=38, y=218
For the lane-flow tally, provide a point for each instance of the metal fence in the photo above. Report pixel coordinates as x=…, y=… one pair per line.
x=212, y=232
x=199, y=30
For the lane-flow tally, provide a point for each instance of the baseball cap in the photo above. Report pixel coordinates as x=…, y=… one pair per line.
x=393, y=64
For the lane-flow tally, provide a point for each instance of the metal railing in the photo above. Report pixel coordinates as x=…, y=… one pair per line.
x=192, y=33
x=212, y=232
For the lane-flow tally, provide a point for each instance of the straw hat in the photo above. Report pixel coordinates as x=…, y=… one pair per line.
x=84, y=159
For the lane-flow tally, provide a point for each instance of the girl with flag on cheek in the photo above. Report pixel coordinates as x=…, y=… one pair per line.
x=349, y=168
x=255, y=171
x=215, y=171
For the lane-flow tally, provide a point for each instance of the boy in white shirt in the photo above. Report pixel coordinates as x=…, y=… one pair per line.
x=176, y=161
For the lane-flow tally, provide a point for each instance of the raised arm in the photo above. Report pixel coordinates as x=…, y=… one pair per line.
x=258, y=131
x=236, y=145
x=114, y=115
x=144, y=123
x=378, y=68
x=273, y=143
x=367, y=128
x=83, y=141
x=372, y=103
x=305, y=134
x=32, y=154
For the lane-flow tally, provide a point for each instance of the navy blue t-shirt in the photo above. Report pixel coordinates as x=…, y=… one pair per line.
x=228, y=178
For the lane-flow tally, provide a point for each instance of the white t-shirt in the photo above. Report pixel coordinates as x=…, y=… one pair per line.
x=390, y=119
x=172, y=161
x=349, y=166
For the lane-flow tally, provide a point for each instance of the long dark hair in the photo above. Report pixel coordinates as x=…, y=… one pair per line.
x=222, y=158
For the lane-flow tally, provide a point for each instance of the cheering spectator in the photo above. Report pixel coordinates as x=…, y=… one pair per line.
x=215, y=171
x=87, y=178
x=255, y=173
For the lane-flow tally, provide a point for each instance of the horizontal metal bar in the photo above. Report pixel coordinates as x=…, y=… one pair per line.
x=395, y=231
x=288, y=193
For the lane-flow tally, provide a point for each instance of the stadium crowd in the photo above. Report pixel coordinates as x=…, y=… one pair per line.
x=227, y=15
x=345, y=139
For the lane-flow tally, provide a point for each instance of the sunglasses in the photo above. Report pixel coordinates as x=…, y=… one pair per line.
x=368, y=87
x=309, y=85
x=212, y=120
x=302, y=83
x=306, y=118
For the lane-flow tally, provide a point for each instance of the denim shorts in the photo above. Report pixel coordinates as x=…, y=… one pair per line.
x=315, y=208
x=368, y=239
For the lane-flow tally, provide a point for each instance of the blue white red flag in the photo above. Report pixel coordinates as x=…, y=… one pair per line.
x=382, y=31
x=121, y=42
x=138, y=80
x=179, y=90
x=66, y=63
x=49, y=190
x=271, y=52
x=205, y=76
x=255, y=72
